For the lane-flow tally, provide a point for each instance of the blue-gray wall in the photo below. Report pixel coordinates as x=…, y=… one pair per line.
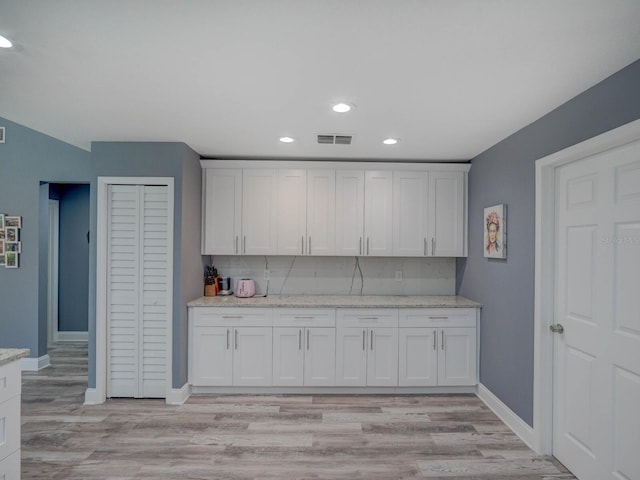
x=157, y=159
x=27, y=159
x=73, y=264
x=506, y=174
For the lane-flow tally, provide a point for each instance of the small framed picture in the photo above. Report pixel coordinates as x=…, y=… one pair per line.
x=2, y=260
x=1, y=247
x=495, y=231
x=11, y=260
x=13, y=247
x=2, y=233
x=1, y=221
x=14, y=221
x=11, y=234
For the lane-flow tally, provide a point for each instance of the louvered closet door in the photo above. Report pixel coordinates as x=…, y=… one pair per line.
x=138, y=282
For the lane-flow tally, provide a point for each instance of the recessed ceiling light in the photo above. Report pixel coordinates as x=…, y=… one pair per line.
x=341, y=107
x=390, y=141
x=286, y=139
x=5, y=43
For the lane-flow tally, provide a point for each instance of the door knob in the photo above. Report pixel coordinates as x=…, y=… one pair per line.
x=556, y=328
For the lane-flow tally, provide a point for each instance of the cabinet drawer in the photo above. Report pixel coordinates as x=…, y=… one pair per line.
x=231, y=316
x=10, y=380
x=304, y=317
x=9, y=426
x=437, y=317
x=367, y=317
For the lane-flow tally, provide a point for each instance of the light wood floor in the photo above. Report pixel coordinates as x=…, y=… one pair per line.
x=258, y=437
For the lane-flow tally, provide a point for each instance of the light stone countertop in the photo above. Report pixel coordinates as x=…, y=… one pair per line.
x=338, y=301
x=8, y=355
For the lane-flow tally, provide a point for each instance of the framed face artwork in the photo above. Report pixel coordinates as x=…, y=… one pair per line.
x=495, y=231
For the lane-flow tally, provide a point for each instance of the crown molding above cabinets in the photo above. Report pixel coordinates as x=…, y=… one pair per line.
x=307, y=208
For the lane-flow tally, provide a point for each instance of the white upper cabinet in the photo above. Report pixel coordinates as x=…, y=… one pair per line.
x=321, y=212
x=292, y=212
x=259, y=211
x=410, y=213
x=447, y=209
x=349, y=212
x=306, y=215
x=221, y=211
x=378, y=213
x=334, y=209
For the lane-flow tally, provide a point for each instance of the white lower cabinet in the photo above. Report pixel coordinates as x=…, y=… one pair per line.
x=328, y=347
x=230, y=347
x=304, y=347
x=304, y=356
x=367, y=347
x=431, y=354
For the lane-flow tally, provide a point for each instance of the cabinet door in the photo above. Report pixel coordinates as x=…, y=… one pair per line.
x=349, y=212
x=321, y=212
x=457, y=356
x=288, y=356
x=410, y=213
x=259, y=212
x=252, y=356
x=292, y=212
x=378, y=213
x=418, y=357
x=320, y=357
x=351, y=357
x=222, y=212
x=211, y=357
x=446, y=214
x=382, y=357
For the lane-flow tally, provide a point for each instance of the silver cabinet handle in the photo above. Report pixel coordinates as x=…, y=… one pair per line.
x=360, y=245
x=435, y=337
x=425, y=246
x=236, y=245
x=236, y=338
x=364, y=336
x=442, y=337
x=307, y=339
x=302, y=245
x=301, y=317
x=367, y=318
x=433, y=246
x=371, y=339
x=556, y=328
x=438, y=318
x=309, y=246
x=232, y=316
x=300, y=339
x=244, y=244
x=227, y=339
x=367, y=245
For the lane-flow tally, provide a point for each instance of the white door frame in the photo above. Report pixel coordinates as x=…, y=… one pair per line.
x=52, y=271
x=545, y=271
x=99, y=393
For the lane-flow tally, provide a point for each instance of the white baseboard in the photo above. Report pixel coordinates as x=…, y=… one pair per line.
x=513, y=421
x=71, y=336
x=34, y=364
x=91, y=397
x=177, y=396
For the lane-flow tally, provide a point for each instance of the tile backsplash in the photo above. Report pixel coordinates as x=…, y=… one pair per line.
x=340, y=275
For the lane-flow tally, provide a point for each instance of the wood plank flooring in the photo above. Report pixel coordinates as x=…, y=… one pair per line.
x=262, y=437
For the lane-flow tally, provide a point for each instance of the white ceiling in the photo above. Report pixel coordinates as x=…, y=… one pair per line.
x=449, y=78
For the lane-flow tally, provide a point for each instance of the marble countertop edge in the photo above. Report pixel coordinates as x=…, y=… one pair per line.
x=8, y=355
x=339, y=301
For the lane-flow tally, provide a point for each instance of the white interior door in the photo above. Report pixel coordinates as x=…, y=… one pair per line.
x=137, y=290
x=596, y=428
x=52, y=285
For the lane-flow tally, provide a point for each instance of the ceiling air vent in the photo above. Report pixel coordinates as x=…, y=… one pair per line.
x=335, y=139
x=1, y=134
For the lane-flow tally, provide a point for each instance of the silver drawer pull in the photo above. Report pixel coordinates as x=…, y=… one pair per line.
x=232, y=316
x=299, y=339
x=227, y=339
x=304, y=318
x=438, y=318
x=367, y=318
